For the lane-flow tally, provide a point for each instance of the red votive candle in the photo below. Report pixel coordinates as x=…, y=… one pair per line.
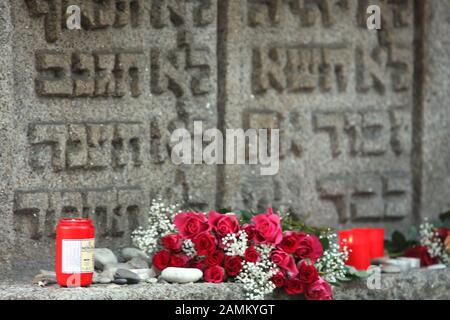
x=361, y=250
x=75, y=252
x=376, y=237
x=345, y=238
x=363, y=244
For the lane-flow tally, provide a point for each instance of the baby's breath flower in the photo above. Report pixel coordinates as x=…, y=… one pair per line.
x=332, y=263
x=256, y=276
x=188, y=248
x=235, y=244
x=430, y=239
x=160, y=224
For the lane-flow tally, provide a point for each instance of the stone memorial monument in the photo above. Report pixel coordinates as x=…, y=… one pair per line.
x=86, y=115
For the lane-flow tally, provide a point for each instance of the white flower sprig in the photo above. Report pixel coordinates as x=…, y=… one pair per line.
x=160, y=224
x=430, y=239
x=188, y=248
x=332, y=263
x=256, y=276
x=235, y=244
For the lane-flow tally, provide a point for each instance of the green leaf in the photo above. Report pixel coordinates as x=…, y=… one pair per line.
x=445, y=217
x=398, y=238
x=325, y=243
x=246, y=215
x=399, y=243
x=224, y=210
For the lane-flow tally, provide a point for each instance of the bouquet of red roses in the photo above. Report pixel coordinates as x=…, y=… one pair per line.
x=258, y=254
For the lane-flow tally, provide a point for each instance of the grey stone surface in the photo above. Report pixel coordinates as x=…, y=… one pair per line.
x=436, y=108
x=86, y=115
x=413, y=285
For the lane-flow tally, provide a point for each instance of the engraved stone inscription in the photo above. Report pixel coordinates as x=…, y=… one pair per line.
x=368, y=195
x=115, y=211
x=342, y=97
x=81, y=74
x=89, y=146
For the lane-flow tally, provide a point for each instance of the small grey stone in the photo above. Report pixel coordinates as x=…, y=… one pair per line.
x=104, y=280
x=437, y=267
x=130, y=276
x=44, y=276
x=120, y=281
x=104, y=258
x=152, y=280
x=181, y=275
x=379, y=261
x=413, y=263
x=390, y=269
x=109, y=273
x=138, y=263
x=130, y=253
x=144, y=274
x=403, y=265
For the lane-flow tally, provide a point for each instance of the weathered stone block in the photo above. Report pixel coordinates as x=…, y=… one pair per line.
x=87, y=115
x=348, y=106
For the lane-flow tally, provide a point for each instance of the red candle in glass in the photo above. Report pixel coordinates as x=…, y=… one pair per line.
x=376, y=237
x=361, y=254
x=358, y=244
x=75, y=252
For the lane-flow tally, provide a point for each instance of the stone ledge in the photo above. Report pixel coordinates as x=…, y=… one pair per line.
x=419, y=284
x=412, y=285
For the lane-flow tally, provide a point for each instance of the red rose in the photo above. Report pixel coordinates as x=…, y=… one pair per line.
x=250, y=231
x=233, y=265
x=172, y=242
x=284, y=261
x=179, y=260
x=223, y=224
x=204, y=243
x=290, y=242
x=309, y=247
x=268, y=228
x=190, y=224
x=307, y=272
x=443, y=233
x=294, y=286
x=319, y=290
x=278, y=280
x=198, y=264
x=421, y=252
x=251, y=254
x=161, y=259
x=215, y=258
x=214, y=274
